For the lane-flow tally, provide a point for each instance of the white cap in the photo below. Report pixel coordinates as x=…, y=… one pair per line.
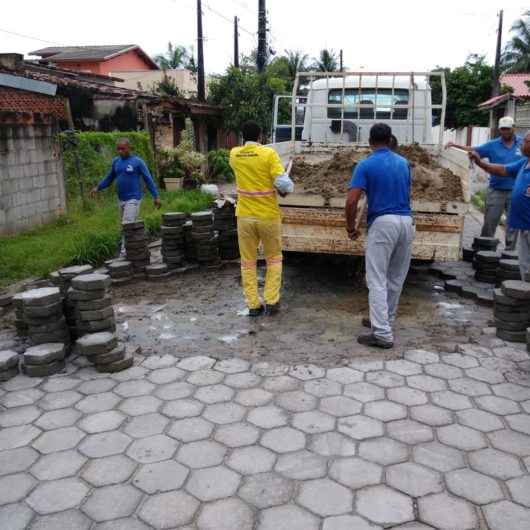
x=506, y=122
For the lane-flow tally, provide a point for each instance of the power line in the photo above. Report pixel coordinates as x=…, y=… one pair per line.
x=230, y=21
x=29, y=37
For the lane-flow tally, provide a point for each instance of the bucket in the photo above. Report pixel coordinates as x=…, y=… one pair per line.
x=173, y=184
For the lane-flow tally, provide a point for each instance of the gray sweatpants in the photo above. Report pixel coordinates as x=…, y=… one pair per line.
x=498, y=202
x=524, y=253
x=129, y=211
x=388, y=253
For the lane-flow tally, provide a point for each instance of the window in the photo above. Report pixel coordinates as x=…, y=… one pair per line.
x=383, y=106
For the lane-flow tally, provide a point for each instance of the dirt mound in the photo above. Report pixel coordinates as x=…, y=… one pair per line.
x=331, y=177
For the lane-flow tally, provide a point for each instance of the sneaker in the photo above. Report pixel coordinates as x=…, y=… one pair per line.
x=373, y=341
x=256, y=312
x=272, y=309
x=366, y=322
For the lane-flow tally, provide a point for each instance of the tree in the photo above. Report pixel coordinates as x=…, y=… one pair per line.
x=296, y=62
x=516, y=55
x=467, y=87
x=326, y=62
x=175, y=57
x=167, y=87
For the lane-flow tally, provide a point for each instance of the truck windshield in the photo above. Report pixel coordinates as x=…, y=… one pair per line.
x=382, y=105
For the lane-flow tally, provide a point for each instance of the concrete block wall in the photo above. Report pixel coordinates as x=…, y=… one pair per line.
x=32, y=190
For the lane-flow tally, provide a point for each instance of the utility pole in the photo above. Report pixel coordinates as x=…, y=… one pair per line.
x=341, y=62
x=201, y=93
x=262, y=36
x=495, y=90
x=236, y=43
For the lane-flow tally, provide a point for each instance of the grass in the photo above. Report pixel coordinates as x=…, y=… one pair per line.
x=83, y=236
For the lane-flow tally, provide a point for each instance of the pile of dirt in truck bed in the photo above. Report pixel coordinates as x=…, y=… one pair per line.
x=331, y=177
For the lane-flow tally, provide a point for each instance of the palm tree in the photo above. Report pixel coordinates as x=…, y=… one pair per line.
x=175, y=57
x=327, y=61
x=296, y=62
x=516, y=56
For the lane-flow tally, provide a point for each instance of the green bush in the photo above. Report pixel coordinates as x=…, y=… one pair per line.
x=479, y=200
x=219, y=166
x=96, y=151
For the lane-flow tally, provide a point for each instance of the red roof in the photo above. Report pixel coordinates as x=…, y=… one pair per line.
x=517, y=83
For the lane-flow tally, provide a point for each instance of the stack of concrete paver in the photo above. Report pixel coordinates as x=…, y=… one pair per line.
x=189, y=249
x=8, y=365
x=512, y=310
x=44, y=316
x=486, y=264
x=489, y=244
x=226, y=225
x=508, y=270
x=93, y=308
x=44, y=359
x=121, y=271
x=204, y=237
x=105, y=352
x=136, y=246
x=20, y=323
x=173, y=239
x=5, y=300
x=509, y=254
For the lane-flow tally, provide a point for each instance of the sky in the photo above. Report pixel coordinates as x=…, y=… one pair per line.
x=386, y=36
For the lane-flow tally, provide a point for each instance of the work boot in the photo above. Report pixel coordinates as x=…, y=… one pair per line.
x=375, y=342
x=256, y=312
x=272, y=309
x=366, y=322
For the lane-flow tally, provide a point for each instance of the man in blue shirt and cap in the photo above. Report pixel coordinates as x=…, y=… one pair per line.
x=519, y=216
x=385, y=178
x=502, y=150
x=128, y=171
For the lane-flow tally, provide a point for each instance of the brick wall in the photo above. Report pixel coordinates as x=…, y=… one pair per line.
x=12, y=99
x=31, y=176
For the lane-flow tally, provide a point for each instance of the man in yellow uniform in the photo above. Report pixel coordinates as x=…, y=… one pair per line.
x=260, y=175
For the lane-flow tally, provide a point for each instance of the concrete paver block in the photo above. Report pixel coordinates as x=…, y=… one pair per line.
x=112, y=502
x=213, y=483
x=355, y=472
x=264, y=490
x=384, y=505
x=446, y=512
x=325, y=497
x=108, y=470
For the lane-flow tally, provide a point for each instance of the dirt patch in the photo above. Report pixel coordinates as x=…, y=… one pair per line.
x=331, y=177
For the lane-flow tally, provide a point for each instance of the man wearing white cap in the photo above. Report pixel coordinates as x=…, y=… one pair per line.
x=502, y=150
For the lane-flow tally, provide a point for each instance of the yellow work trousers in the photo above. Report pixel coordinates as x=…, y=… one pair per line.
x=251, y=231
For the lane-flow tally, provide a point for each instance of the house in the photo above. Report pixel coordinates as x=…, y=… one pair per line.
x=514, y=102
x=98, y=59
x=185, y=80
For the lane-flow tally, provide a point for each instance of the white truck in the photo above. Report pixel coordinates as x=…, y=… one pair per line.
x=332, y=111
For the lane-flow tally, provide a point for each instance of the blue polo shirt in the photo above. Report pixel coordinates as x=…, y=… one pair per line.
x=519, y=216
x=497, y=153
x=385, y=178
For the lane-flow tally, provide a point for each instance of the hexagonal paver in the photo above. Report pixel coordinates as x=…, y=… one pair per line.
x=355, y=472
x=251, y=460
x=469, y=387
x=214, y=394
x=473, y=486
x=332, y=444
x=348, y=522
x=183, y=408
x=21, y=398
x=427, y=383
x=14, y=488
x=519, y=422
x=503, y=515
x=461, y=437
x=360, y=427
x=222, y=413
x=344, y=375
x=243, y=380
x=226, y=514
x=108, y=420
x=321, y=387
x=340, y=406
x=443, y=371
x=512, y=391
x=495, y=463
x=486, y=375
x=305, y=372
x=431, y=415
x=16, y=460
x=55, y=419
x=18, y=436
x=104, y=444
x=237, y=434
x=112, y=502
x=407, y=396
x=191, y=429
x=213, y=483
x=232, y=366
x=205, y=377
x=16, y=517
x=168, y=510
x=283, y=439
x=266, y=489
x=72, y=519
x=511, y=442
x=385, y=410
x=301, y=465
x=497, y=405
x=325, y=497
x=385, y=378
x=384, y=505
x=58, y=465
x=479, y=420
x=268, y=417
x=410, y=432
x=288, y=517
x=254, y=397
x=438, y=456
x=460, y=360
x=296, y=401
x=108, y=470
x=403, y=367
x=451, y=400
x=422, y=356
x=313, y=422
x=57, y=495
x=59, y=400
x=137, y=406
x=203, y=453
x=166, y=375
x=152, y=449
x=520, y=490
x=197, y=362
x=98, y=402
x=58, y=440
x=172, y=391
x=161, y=476
x=134, y=388
x=364, y=392
x=19, y=416
x=146, y=425
x=153, y=362
x=446, y=512
x=96, y=386
x=413, y=479
x=384, y=451
x=283, y=383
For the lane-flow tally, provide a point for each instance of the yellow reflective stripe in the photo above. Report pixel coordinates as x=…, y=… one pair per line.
x=248, y=264
x=274, y=261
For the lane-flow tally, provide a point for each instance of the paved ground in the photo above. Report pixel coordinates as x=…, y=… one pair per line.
x=223, y=445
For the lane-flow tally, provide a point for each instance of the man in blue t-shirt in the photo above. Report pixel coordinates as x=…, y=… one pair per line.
x=519, y=216
x=128, y=171
x=502, y=150
x=385, y=178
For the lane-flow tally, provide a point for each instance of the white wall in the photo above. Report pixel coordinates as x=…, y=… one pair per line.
x=479, y=135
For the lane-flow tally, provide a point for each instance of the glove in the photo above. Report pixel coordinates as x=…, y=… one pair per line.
x=284, y=184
